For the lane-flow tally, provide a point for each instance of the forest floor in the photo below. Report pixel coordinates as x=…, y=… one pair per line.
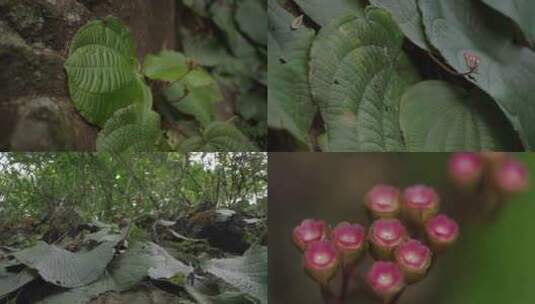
x=215, y=255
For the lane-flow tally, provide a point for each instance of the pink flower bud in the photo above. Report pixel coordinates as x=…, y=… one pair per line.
x=414, y=259
x=441, y=232
x=384, y=236
x=383, y=201
x=466, y=168
x=420, y=203
x=512, y=176
x=349, y=240
x=385, y=280
x=321, y=261
x=308, y=231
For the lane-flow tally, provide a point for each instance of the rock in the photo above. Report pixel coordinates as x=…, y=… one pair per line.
x=47, y=123
x=226, y=233
x=36, y=113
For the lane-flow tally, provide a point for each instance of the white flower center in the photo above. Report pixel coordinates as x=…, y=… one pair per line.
x=309, y=235
x=412, y=257
x=442, y=229
x=385, y=279
x=321, y=259
x=419, y=199
x=348, y=238
x=384, y=201
x=387, y=234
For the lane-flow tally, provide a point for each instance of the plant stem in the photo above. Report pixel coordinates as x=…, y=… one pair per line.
x=448, y=69
x=328, y=296
x=347, y=272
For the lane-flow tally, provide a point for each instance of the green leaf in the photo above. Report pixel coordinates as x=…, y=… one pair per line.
x=218, y=137
x=521, y=12
x=101, y=70
x=357, y=76
x=142, y=260
x=109, y=33
x=204, y=47
x=130, y=129
x=252, y=106
x=248, y=273
x=454, y=120
x=223, y=16
x=84, y=294
x=290, y=104
x=506, y=71
x=12, y=281
x=64, y=268
x=249, y=16
x=196, y=95
x=198, y=78
x=167, y=66
x=164, y=266
x=323, y=12
x=408, y=18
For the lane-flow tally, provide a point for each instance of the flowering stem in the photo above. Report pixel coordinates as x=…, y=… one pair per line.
x=328, y=296
x=347, y=273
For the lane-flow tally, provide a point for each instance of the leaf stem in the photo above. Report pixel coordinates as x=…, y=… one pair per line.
x=450, y=70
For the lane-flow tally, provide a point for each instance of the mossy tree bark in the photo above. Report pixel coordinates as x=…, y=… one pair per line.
x=36, y=113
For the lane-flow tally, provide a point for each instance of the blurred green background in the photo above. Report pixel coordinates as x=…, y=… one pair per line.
x=493, y=261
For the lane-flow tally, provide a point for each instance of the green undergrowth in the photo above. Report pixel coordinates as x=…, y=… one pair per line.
x=388, y=75
x=96, y=259
x=171, y=100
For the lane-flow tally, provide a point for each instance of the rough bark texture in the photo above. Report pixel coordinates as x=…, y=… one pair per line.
x=36, y=113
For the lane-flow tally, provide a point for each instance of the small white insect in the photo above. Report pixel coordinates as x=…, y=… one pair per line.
x=297, y=22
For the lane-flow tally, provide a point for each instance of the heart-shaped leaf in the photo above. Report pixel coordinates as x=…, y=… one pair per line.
x=290, y=104
x=127, y=124
x=125, y=272
x=436, y=116
x=101, y=70
x=469, y=33
x=109, y=33
x=323, y=12
x=357, y=76
x=64, y=268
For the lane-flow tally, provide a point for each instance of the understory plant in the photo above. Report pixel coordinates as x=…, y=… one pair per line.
x=102, y=258
x=409, y=75
x=406, y=233
x=86, y=228
x=109, y=89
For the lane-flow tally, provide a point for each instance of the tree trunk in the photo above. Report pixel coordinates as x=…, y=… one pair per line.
x=36, y=113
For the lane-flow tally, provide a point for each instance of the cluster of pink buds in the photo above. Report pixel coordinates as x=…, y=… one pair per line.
x=399, y=258
x=489, y=171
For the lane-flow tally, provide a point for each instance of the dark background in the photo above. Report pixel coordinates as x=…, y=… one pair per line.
x=491, y=262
